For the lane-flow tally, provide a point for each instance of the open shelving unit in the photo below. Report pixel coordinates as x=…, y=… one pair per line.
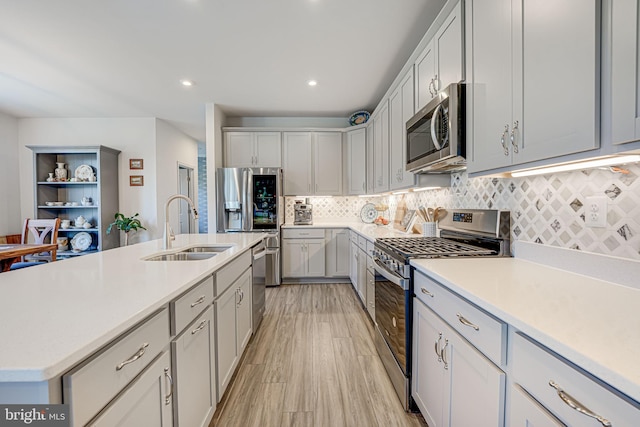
x=103, y=192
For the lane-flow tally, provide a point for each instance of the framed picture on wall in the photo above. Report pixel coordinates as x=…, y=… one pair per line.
x=136, y=164
x=136, y=180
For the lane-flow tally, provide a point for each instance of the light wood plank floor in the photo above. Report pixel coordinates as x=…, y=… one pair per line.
x=312, y=363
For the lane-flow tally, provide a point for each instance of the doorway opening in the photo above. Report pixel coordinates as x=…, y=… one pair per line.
x=186, y=188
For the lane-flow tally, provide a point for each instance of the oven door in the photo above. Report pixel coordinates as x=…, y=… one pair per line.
x=393, y=312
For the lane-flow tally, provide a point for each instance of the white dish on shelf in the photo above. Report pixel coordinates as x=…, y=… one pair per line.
x=81, y=241
x=84, y=172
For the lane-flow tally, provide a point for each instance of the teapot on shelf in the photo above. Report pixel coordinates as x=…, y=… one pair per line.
x=86, y=201
x=80, y=221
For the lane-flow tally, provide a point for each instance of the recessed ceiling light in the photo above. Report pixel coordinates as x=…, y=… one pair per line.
x=187, y=83
x=312, y=83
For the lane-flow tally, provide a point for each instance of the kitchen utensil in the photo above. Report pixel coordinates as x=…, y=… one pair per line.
x=430, y=213
x=436, y=213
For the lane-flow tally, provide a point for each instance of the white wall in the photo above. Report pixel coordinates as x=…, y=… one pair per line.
x=10, y=215
x=134, y=137
x=172, y=147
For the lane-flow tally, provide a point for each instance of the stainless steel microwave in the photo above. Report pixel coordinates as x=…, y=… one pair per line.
x=435, y=134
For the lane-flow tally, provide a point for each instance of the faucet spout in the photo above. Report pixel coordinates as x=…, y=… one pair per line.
x=167, y=228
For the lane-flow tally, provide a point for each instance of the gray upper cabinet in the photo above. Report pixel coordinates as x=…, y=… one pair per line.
x=534, y=73
x=252, y=149
x=66, y=199
x=400, y=111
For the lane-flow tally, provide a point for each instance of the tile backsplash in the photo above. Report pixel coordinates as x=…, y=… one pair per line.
x=547, y=209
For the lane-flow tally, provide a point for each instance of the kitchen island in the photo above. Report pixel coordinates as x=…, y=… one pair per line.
x=56, y=315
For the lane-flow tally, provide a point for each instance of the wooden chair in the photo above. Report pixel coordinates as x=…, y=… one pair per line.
x=38, y=231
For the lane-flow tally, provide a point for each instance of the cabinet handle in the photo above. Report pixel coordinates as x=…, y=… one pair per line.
x=573, y=403
x=430, y=90
x=437, y=348
x=436, y=86
x=513, y=137
x=503, y=140
x=167, y=398
x=426, y=292
x=135, y=357
x=465, y=322
x=198, y=301
x=444, y=354
x=199, y=328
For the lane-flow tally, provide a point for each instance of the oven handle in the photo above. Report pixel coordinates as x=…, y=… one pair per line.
x=389, y=275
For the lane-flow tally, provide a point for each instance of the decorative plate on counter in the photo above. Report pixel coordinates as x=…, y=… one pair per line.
x=81, y=241
x=368, y=213
x=84, y=172
x=359, y=118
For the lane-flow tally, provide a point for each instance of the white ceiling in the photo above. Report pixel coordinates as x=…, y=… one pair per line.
x=125, y=58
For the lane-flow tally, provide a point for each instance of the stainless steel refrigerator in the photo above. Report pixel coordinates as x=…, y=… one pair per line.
x=250, y=199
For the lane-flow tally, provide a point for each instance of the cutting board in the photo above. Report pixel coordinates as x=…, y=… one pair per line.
x=404, y=218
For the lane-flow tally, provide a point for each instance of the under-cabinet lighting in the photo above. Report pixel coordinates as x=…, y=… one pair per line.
x=400, y=192
x=417, y=190
x=595, y=163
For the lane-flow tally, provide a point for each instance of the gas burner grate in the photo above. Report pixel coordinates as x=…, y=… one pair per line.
x=426, y=247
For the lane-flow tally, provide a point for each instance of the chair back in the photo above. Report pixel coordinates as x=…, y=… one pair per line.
x=41, y=231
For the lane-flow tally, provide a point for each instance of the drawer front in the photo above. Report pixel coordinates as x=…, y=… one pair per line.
x=305, y=233
x=525, y=411
x=188, y=306
x=534, y=368
x=229, y=273
x=484, y=331
x=369, y=248
x=90, y=386
x=353, y=236
x=362, y=242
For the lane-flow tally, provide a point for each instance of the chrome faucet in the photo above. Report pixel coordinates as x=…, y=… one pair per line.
x=168, y=233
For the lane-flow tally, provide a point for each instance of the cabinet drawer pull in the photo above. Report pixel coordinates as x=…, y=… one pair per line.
x=437, y=348
x=167, y=398
x=444, y=354
x=513, y=137
x=503, y=140
x=426, y=292
x=135, y=357
x=200, y=327
x=466, y=322
x=198, y=301
x=573, y=403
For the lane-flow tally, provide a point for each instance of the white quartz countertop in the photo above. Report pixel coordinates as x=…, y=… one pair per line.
x=54, y=316
x=592, y=322
x=370, y=231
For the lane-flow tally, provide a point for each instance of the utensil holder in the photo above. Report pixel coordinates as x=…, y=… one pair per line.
x=429, y=229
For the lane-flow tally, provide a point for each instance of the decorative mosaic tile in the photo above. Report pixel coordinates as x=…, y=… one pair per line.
x=547, y=209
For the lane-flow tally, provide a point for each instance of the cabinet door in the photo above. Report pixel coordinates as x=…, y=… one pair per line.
x=381, y=149
x=293, y=258
x=524, y=411
x=400, y=110
x=297, y=163
x=477, y=385
x=425, y=73
x=362, y=275
x=561, y=56
x=625, y=74
x=357, y=161
x=448, y=47
x=268, y=150
x=371, y=294
x=243, y=311
x=226, y=347
x=337, y=253
x=314, y=250
x=490, y=93
x=194, y=372
x=428, y=378
x=370, y=173
x=146, y=402
x=238, y=149
x=353, y=265
x=328, y=164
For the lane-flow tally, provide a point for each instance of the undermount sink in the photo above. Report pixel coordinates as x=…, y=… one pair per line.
x=194, y=253
x=182, y=256
x=207, y=249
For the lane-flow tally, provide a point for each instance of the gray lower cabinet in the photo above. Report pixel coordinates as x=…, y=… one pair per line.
x=233, y=328
x=146, y=402
x=194, y=372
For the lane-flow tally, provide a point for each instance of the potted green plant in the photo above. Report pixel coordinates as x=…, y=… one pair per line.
x=125, y=224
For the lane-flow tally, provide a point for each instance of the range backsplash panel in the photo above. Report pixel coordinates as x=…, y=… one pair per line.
x=547, y=209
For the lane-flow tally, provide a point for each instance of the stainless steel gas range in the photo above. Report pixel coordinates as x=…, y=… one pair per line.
x=463, y=233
